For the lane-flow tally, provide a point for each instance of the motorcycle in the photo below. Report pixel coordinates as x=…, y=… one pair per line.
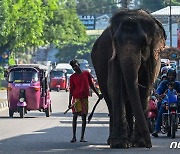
x=152, y=113
x=170, y=119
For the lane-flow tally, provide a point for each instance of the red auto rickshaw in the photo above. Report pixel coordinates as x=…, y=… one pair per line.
x=28, y=89
x=58, y=80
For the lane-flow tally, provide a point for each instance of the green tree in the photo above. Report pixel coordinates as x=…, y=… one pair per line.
x=92, y=7
x=21, y=23
x=77, y=50
x=154, y=5
x=62, y=25
x=151, y=5
x=27, y=24
x=173, y=2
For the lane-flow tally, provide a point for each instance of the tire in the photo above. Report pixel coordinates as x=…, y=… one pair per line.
x=173, y=126
x=11, y=113
x=150, y=125
x=48, y=110
x=21, y=112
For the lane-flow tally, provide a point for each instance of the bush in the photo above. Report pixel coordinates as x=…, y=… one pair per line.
x=1, y=73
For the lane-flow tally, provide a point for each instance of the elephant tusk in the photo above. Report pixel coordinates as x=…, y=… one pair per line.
x=141, y=86
x=114, y=50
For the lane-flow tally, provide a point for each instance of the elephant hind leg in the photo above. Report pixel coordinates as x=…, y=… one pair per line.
x=130, y=120
x=137, y=139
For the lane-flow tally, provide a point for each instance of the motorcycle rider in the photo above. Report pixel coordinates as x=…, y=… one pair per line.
x=171, y=75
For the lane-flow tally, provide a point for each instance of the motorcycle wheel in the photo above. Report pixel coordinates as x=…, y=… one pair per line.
x=151, y=125
x=21, y=112
x=173, y=126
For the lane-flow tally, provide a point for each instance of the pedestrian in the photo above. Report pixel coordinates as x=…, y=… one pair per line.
x=80, y=83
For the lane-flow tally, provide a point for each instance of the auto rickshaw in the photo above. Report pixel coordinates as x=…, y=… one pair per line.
x=58, y=80
x=28, y=89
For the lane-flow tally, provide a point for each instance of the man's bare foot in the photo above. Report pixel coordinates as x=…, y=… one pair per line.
x=83, y=140
x=73, y=140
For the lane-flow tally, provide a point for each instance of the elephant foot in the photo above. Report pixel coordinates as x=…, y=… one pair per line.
x=119, y=144
x=139, y=143
x=108, y=141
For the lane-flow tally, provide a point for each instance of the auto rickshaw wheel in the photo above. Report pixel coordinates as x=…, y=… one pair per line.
x=11, y=113
x=21, y=112
x=48, y=110
x=58, y=89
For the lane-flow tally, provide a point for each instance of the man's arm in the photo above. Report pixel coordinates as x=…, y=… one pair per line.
x=92, y=86
x=177, y=86
x=70, y=99
x=162, y=87
x=94, y=89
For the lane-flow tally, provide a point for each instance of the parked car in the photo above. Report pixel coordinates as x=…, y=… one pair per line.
x=65, y=66
x=84, y=65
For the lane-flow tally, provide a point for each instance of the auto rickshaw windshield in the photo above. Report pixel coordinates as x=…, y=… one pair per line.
x=57, y=74
x=23, y=75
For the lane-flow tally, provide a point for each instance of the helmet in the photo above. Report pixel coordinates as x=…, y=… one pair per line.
x=164, y=76
x=164, y=70
x=171, y=71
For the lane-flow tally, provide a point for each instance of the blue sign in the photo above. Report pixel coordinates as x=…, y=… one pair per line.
x=88, y=21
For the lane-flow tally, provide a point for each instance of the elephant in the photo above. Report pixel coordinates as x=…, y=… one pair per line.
x=126, y=59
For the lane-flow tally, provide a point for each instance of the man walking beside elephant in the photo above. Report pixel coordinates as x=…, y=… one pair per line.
x=80, y=82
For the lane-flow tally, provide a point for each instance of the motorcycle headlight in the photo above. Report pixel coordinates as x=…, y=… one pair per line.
x=21, y=100
x=173, y=105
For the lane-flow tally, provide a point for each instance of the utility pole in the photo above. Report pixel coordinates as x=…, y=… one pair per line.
x=170, y=24
x=124, y=3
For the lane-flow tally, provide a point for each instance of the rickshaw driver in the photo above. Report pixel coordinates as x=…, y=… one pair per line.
x=80, y=82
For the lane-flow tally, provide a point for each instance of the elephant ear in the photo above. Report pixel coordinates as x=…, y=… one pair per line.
x=159, y=39
x=113, y=35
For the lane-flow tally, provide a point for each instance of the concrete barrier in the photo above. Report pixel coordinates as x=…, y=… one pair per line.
x=3, y=105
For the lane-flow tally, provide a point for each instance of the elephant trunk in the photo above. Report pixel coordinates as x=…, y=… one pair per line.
x=131, y=82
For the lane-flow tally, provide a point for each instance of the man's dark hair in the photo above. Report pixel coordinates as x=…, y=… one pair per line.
x=171, y=71
x=73, y=62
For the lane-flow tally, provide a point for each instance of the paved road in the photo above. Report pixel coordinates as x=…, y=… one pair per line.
x=39, y=134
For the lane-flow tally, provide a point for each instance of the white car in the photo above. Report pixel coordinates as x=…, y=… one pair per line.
x=67, y=67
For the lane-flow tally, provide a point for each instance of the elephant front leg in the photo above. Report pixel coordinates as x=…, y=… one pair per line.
x=138, y=139
x=118, y=138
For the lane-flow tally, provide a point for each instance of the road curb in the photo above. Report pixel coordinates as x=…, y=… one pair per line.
x=3, y=105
